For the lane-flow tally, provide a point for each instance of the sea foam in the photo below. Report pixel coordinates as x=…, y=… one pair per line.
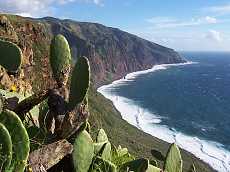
x=210, y=152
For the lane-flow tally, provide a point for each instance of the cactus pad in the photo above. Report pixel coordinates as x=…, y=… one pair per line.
x=152, y=168
x=106, y=153
x=102, y=136
x=173, y=162
x=79, y=82
x=10, y=56
x=60, y=59
x=83, y=152
x=5, y=148
x=20, y=140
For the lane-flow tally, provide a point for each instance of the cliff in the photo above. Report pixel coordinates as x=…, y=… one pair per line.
x=112, y=52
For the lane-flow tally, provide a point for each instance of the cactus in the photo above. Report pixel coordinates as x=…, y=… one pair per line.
x=106, y=152
x=102, y=136
x=60, y=59
x=11, y=56
x=102, y=140
x=83, y=152
x=20, y=140
x=5, y=148
x=120, y=157
x=79, y=82
x=100, y=164
x=173, y=162
x=152, y=168
x=98, y=148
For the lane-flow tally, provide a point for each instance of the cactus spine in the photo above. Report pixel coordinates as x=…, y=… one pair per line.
x=173, y=162
x=11, y=56
x=60, y=59
x=20, y=140
x=79, y=82
x=5, y=148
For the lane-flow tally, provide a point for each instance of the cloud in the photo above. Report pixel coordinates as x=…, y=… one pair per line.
x=220, y=10
x=214, y=36
x=37, y=8
x=98, y=2
x=159, y=20
x=210, y=20
x=167, y=22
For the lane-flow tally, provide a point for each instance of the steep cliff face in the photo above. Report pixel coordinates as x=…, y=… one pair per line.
x=112, y=52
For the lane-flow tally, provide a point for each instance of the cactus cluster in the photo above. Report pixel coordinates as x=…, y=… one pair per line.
x=103, y=156
x=68, y=110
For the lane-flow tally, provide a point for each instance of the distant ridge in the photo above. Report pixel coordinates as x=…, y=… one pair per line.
x=112, y=52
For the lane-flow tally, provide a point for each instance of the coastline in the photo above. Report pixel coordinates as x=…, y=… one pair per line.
x=209, y=152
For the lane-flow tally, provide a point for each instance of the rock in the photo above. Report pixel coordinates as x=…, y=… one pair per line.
x=49, y=155
x=7, y=31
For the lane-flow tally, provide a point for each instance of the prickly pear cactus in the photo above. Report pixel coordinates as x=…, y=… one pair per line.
x=100, y=165
x=83, y=152
x=79, y=82
x=102, y=140
x=102, y=136
x=152, y=168
x=20, y=140
x=10, y=56
x=173, y=162
x=106, y=153
x=60, y=59
x=5, y=148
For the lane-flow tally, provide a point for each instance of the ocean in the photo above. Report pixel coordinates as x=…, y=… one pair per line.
x=184, y=103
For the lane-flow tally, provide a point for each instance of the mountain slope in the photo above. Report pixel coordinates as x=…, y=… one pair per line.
x=112, y=53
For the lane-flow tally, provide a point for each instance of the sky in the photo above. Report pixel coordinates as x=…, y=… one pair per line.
x=196, y=25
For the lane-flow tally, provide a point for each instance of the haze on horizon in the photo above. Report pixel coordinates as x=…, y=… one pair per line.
x=182, y=25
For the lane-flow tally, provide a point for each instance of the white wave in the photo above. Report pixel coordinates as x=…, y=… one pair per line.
x=210, y=152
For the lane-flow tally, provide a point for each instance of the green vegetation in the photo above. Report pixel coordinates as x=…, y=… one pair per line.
x=83, y=152
x=60, y=59
x=20, y=145
x=79, y=82
x=5, y=149
x=173, y=160
x=11, y=56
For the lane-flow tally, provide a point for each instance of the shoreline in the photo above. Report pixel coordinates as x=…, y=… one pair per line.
x=207, y=151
